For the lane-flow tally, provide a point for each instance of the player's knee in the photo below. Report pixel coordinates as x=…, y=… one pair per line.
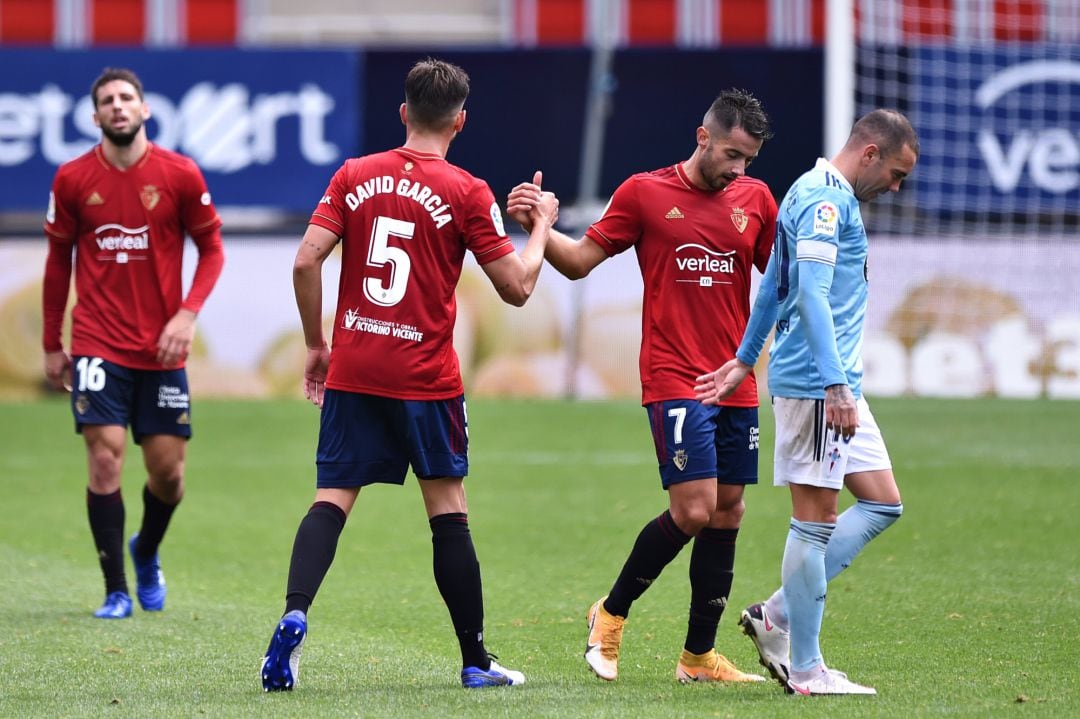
x=691, y=519
x=105, y=464
x=730, y=514
x=167, y=481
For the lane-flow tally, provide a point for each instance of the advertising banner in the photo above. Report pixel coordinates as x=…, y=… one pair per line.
x=944, y=328
x=1000, y=129
x=267, y=128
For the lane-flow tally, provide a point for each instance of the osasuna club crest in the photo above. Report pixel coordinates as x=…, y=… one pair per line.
x=150, y=197
x=679, y=460
x=739, y=219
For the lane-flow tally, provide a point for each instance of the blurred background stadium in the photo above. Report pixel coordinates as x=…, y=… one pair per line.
x=972, y=264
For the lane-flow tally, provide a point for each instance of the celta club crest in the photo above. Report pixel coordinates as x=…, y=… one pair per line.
x=739, y=219
x=150, y=197
x=680, y=459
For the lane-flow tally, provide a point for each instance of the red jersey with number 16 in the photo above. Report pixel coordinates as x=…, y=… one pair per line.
x=695, y=249
x=127, y=229
x=405, y=219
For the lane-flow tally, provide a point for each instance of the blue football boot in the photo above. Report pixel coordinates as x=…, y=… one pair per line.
x=149, y=581
x=495, y=676
x=117, y=606
x=281, y=665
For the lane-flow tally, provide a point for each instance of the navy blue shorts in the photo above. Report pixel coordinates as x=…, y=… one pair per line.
x=364, y=439
x=151, y=401
x=697, y=441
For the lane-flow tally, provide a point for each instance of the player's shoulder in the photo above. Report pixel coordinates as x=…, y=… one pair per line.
x=821, y=184
x=468, y=181
x=79, y=165
x=661, y=175
x=750, y=187
x=173, y=162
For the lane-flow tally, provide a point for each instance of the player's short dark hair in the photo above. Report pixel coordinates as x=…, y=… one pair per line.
x=435, y=92
x=739, y=108
x=889, y=129
x=116, y=73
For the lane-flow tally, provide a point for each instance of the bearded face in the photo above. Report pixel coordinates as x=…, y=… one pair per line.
x=125, y=136
x=120, y=112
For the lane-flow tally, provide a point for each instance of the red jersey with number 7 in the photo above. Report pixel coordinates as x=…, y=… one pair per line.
x=695, y=248
x=126, y=228
x=405, y=220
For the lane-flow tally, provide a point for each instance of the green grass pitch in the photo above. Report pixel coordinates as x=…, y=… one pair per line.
x=968, y=607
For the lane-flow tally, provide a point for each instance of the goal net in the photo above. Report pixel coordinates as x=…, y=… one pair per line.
x=976, y=259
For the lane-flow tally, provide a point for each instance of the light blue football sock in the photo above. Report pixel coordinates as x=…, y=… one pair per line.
x=803, y=574
x=860, y=523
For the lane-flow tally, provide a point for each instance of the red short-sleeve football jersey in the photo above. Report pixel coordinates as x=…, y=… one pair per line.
x=405, y=219
x=695, y=249
x=127, y=228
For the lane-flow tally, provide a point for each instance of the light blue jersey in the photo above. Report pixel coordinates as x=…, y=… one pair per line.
x=821, y=287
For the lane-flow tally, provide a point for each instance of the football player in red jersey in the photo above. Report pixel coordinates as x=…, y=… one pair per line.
x=698, y=227
x=123, y=210
x=390, y=390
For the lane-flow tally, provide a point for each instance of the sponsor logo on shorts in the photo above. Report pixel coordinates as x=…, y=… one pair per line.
x=170, y=397
x=755, y=436
x=184, y=418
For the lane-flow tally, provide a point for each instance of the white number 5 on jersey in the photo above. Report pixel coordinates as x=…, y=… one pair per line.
x=380, y=254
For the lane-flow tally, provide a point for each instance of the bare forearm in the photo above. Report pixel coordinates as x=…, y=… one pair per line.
x=564, y=254
x=532, y=256
x=307, y=284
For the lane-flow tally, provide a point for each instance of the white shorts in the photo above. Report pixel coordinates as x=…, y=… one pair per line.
x=808, y=454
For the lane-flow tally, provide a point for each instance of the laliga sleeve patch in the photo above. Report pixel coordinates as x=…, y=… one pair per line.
x=826, y=219
x=205, y=198
x=50, y=214
x=496, y=219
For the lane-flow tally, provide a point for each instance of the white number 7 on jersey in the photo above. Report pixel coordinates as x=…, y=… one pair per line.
x=381, y=254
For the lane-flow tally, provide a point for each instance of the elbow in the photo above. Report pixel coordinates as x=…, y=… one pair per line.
x=303, y=266
x=576, y=273
x=516, y=296
x=573, y=271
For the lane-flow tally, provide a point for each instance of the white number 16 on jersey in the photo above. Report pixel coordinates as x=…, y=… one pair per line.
x=380, y=254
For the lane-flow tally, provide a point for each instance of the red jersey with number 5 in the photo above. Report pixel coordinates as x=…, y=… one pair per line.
x=695, y=249
x=405, y=219
x=127, y=229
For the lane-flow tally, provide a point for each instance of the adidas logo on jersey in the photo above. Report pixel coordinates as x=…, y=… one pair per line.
x=95, y=199
x=675, y=214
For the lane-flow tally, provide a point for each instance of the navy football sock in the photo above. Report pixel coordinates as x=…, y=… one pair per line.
x=712, y=564
x=106, y=512
x=457, y=575
x=659, y=542
x=156, y=516
x=313, y=553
